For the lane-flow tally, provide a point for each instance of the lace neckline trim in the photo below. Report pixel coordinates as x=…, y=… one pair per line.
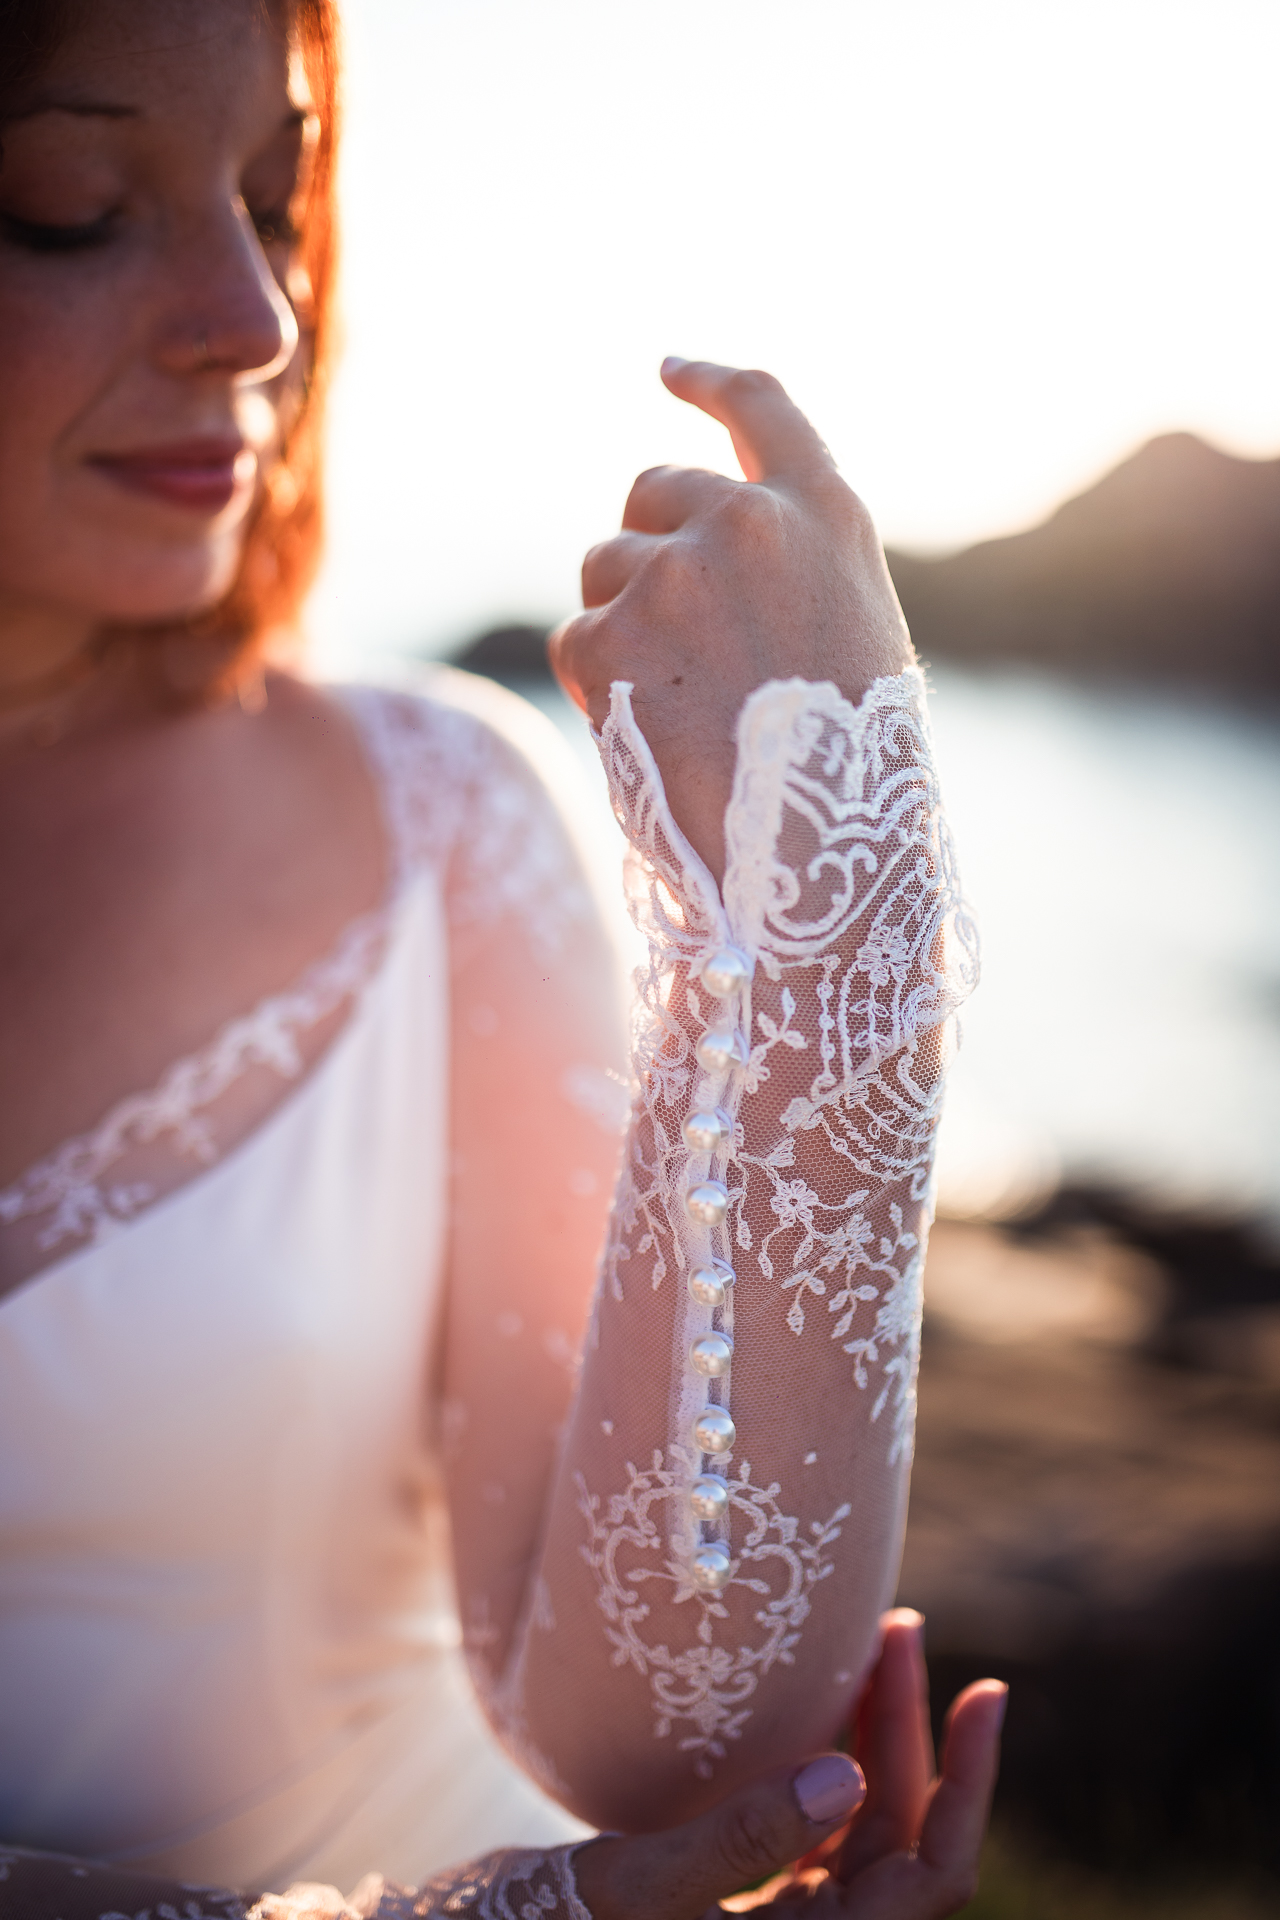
x=71, y=1185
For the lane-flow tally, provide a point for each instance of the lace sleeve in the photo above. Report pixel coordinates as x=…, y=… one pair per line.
x=513, y=1884
x=726, y=1524
x=516, y=1883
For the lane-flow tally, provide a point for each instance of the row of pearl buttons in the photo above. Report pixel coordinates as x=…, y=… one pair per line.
x=719, y=1051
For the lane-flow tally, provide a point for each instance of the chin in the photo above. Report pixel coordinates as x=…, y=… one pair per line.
x=155, y=589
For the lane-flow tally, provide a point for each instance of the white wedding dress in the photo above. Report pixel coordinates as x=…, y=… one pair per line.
x=236, y=1490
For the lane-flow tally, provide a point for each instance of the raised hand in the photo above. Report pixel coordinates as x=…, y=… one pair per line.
x=715, y=586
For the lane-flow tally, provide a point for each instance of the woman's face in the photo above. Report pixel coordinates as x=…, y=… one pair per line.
x=145, y=191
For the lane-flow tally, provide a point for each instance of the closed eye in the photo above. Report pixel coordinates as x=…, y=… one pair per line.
x=36, y=237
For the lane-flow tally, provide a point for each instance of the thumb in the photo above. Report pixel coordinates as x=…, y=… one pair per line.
x=678, y=1874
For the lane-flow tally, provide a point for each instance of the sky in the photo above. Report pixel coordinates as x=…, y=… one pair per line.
x=990, y=247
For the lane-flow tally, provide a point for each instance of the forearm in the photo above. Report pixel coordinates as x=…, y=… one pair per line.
x=717, y=1580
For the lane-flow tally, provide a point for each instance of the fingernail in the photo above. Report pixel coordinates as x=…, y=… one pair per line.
x=1001, y=1709
x=829, y=1788
x=673, y=363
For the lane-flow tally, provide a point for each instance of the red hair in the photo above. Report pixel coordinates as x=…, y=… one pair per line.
x=285, y=534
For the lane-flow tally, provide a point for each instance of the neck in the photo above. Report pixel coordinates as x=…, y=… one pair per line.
x=56, y=678
x=38, y=646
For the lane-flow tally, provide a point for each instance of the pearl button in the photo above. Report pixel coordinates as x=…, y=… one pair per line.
x=725, y=972
x=709, y=1568
x=714, y=1431
x=711, y=1353
x=707, y=1203
x=709, y=1497
x=708, y=1285
x=707, y=1132
x=722, y=1049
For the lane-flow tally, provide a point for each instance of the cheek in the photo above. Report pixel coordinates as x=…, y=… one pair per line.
x=74, y=379
x=54, y=359
x=62, y=345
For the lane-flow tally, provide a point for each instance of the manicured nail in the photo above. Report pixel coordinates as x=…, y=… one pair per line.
x=829, y=1788
x=673, y=363
x=1001, y=1709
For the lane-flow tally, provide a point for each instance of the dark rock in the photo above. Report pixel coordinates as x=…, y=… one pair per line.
x=507, y=653
x=1220, y=1279
x=1169, y=565
x=1151, y=1742
x=1103, y=1531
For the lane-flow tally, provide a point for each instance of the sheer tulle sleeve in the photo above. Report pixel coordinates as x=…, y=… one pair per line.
x=685, y=1588
x=534, y=1883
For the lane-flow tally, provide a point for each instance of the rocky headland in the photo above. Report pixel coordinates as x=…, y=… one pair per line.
x=1168, y=567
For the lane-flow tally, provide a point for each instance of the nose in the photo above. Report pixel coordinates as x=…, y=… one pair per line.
x=232, y=316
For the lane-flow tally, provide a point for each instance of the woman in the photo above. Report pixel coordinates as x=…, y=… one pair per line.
x=310, y=1010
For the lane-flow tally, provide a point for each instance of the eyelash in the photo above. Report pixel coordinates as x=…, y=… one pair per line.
x=273, y=228
x=43, y=239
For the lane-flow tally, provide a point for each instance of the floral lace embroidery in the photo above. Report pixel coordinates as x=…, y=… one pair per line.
x=71, y=1187
x=457, y=797
x=516, y=1883
x=705, y=1685
x=53, y=1883
x=825, y=1069
x=513, y=1884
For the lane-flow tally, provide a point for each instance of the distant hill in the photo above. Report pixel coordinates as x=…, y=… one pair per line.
x=1170, y=565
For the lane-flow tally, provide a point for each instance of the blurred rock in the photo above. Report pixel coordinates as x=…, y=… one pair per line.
x=507, y=654
x=1170, y=565
x=1102, y=1528
x=987, y=1286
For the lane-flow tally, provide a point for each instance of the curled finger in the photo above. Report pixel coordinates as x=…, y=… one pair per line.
x=610, y=565
x=662, y=499
x=569, y=652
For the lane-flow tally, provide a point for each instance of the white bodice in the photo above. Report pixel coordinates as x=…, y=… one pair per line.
x=228, y=1638
x=222, y=1564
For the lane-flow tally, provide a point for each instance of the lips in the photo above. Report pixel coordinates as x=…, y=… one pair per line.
x=202, y=475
